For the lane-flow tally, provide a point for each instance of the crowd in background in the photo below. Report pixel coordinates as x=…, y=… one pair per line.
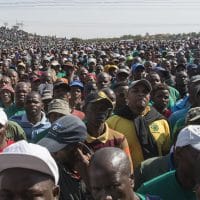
x=78, y=99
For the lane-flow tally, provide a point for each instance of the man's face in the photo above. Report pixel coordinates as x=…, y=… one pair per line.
x=5, y=81
x=121, y=95
x=161, y=98
x=61, y=93
x=33, y=105
x=96, y=113
x=20, y=94
x=185, y=160
x=26, y=184
x=154, y=79
x=109, y=185
x=76, y=92
x=138, y=96
x=14, y=78
x=139, y=73
x=103, y=81
x=182, y=78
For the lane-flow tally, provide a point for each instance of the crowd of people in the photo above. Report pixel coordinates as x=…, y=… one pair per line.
x=99, y=120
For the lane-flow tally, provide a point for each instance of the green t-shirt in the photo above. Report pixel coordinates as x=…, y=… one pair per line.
x=167, y=187
x=15, y=132
x=13, y=110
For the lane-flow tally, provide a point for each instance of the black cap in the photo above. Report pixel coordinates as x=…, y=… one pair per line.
x=63, y=132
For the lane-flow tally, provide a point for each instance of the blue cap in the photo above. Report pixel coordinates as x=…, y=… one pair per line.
x=76, y=84
x=192, y=66
x=134, y=67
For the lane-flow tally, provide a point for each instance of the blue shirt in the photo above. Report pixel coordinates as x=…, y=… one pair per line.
x=32, y=130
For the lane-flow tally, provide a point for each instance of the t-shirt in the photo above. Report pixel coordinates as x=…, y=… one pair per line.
x=110, y=138
x=9, y=142
x=159, y=130
x=14, y=111
x=167, y=187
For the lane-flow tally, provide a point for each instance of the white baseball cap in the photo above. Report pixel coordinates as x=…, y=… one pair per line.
x=189, y=135
x=3, y=117
x=29, y=156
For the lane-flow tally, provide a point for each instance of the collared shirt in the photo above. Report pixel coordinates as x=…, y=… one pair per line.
x=32, y=130
x=167, y=187
x=110, y=138
x=14, y=111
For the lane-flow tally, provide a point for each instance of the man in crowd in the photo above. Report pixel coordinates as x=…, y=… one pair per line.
x=110, y=176
x=28, y=171
x=34, y=121
x=65, y=140
x=21, y=90
x=146, y=130
x=180, y=182
x=97, y=108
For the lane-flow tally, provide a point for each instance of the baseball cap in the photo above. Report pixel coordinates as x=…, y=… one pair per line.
x=141, y=82
x=29, y=156
x=62, y=85
x=134, y=67
x=59, y=106
x=189, y=135
x=192, y=66
x=195, y=79
x=98, y=96
x=77, y=83
x=47, y=94
x=193, y=115
x=3, y=117
x=123, y=70
x=63, y=132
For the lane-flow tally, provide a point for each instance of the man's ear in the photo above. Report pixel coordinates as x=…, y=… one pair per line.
x=56, y=192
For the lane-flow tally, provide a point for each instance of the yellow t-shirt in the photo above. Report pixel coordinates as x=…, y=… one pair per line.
x=159, y=129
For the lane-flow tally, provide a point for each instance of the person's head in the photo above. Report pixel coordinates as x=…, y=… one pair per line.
x=192, y=70
x=7, y=95
x=33, y=104
x=181, y=78
x=194, y=90
x=21, y=90
x=21, y=68
x=112, y=71
x=64, y=138
x=61, y=90
x=13, y=76
x=187, y=150
x=160, y=96
x=123, y=74
x=28, y=172
x=76, y=90
x=110, y=94
x=154, y=78
x=47, y=96
x=138, y=71
x=46, y=77
x=5, y=81
x=91, y=64
x=110, y=175
x=83, y=74
x=57, y=108
x=99, y=69
x=68, y=67
x=139, y=95
x=103, y=80
x=97, y=108
x=3, y=125
x=148, y=66
x=90, y=87
x=121, y=92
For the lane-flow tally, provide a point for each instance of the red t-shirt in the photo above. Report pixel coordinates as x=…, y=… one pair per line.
x=9, y=142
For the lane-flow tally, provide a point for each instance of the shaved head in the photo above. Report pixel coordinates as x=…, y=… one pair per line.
x=110, y=175
x=111, y=159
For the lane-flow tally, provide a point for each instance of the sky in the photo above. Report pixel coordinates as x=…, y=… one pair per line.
x=101, y=18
